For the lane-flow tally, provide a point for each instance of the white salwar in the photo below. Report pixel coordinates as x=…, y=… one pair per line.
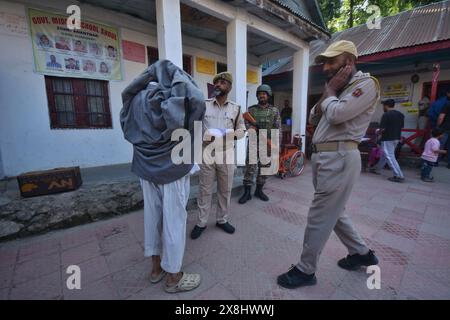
x=165, y=221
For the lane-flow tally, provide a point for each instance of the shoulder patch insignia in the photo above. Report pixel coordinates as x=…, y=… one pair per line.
x=357, y=93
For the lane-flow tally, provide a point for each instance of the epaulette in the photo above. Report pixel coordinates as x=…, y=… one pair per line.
x=377, y=83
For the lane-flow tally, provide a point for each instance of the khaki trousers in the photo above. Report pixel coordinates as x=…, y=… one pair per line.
x=208, y=173
x=334, y=174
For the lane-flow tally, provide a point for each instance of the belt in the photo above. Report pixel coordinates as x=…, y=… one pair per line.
x=334, y=146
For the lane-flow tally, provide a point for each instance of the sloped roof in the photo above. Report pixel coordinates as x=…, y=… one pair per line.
x=308, y=10
x=422, y=25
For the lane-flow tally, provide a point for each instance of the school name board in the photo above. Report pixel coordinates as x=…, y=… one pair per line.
x=93, y=51
x=400, y=92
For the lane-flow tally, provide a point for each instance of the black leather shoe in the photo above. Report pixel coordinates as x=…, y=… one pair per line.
x=247, y=195
x=396, y=179
x=295, y=278
x=260, y=194
x=228, y=228
x=355, y=261
x=197, y=232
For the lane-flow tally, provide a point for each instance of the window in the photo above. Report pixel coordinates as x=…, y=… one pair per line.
x=153, y=56
x=187, y=64
x=78, y=103
x=221, y=67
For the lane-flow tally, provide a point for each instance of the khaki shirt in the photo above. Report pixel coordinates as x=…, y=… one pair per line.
x=228, y=116
x=346, y=118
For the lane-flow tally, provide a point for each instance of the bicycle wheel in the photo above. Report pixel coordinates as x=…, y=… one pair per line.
x=297, y=164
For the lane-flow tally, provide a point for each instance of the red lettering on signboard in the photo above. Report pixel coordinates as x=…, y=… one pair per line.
x=89, y=26
x=61, y=21
x=109, y=34
x=40, y=20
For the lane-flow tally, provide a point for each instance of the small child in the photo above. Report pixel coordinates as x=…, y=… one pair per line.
x=430, y=154
x=375, y=155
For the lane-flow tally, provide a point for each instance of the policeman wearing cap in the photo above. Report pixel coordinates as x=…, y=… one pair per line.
x=222, y=117
x=342, y=117
x=267, y=117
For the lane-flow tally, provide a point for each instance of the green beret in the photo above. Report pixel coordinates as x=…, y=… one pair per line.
x=223, y=76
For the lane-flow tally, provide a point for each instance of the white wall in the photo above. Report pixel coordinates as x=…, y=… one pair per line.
x=203, y=79
x=26, y=141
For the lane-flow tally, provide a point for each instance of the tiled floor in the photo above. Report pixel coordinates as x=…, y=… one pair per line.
x=408, y=226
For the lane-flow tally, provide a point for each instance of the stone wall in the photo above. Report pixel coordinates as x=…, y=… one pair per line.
x=26, y=216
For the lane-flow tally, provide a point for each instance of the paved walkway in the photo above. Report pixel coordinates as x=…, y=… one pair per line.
x=408, y=225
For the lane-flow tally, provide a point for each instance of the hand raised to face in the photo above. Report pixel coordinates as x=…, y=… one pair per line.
x=340, y=79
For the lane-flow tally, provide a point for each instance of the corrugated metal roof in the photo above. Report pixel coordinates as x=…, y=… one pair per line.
x=422, y=25
x=308, y=11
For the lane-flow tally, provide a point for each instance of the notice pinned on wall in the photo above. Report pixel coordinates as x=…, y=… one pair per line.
x=133, y=51
x=252, y=77
x=90, y=52
x=205, y=65
x=13, y=24
x=400, y=92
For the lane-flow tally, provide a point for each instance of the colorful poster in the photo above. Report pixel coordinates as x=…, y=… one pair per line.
x=205, y=66
x=90, y=52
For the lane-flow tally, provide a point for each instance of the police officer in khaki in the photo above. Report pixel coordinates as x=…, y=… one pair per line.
x=342, y=116
x=222, y=117
x=267, y=117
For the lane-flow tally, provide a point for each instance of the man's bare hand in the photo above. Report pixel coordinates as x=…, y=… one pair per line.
x=339, y=81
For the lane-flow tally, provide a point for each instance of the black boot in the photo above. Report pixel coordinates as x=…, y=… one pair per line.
x=260, y=194
x=355, y=261
x=247, y=195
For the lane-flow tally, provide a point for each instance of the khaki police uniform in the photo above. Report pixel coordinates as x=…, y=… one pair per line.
x=336, y=164
x=228, y=116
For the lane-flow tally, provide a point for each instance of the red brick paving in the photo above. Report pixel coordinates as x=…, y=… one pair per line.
x=408, y=226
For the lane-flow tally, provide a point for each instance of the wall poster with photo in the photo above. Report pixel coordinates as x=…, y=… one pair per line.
x=90, y=52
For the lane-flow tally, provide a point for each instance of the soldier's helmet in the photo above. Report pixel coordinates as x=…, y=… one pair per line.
x=264, y=88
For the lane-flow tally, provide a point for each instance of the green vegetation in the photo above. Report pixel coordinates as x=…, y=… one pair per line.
x=343, y=14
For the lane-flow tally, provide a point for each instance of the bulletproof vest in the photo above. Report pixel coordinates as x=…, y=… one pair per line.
x=264, y=117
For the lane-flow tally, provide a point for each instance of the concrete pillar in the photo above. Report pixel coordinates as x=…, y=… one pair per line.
x=168, y=20
x=237, y=65
x=300, y=93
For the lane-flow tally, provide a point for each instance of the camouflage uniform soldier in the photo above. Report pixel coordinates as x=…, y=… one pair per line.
x=267, y=117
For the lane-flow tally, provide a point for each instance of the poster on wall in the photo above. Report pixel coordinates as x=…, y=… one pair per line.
x=400, y=92
x=90, y=52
